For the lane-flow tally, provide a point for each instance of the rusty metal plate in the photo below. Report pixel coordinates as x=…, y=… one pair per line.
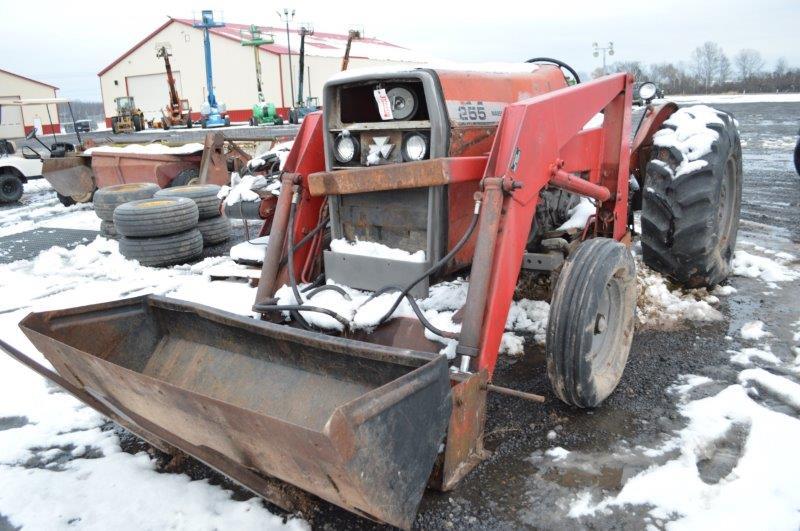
x=356, y=424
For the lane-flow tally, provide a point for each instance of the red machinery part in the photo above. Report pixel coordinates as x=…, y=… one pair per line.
x=531, y=138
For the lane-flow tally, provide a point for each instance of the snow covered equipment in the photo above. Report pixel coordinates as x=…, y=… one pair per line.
x=212, y=113
x=408, y=179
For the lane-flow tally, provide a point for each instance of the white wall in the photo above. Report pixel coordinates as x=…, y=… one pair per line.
x=233, y=68
x=232, y=65
x=12, y=87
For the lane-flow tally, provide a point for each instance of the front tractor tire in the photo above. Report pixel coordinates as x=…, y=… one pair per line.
x=590, y=329
x=690, y=218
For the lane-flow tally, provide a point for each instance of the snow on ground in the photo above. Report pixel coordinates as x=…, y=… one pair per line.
x=41, y=208
x=753, y=330
x=735, y=461
x=658, y=305
x=58, y=468
x=767, y=269
x=790, y=97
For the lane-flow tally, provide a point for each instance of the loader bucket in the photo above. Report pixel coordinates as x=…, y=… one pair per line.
x=357, y=424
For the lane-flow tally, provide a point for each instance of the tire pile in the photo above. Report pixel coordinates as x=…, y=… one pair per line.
x=161, y=227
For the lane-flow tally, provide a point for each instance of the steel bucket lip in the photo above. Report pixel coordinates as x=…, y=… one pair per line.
x=424, y=363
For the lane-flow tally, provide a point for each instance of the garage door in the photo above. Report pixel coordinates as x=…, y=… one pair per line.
x=151, y=92
x=11, y=125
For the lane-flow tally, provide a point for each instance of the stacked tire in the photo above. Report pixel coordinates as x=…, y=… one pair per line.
x=159, y=231
x=214, y=227
x=106, y=200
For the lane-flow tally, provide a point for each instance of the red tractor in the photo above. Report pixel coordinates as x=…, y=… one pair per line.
x=476, y=172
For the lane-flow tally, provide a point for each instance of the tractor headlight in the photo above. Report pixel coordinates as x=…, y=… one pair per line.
x=647, y=91
x=345, y=147
x=415, y=147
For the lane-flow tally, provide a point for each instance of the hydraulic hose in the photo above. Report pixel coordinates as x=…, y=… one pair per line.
x=331, y=287
x=294, y=309
x=417, y=310
x=435, y=267
x=297, y=308
x=290, y=257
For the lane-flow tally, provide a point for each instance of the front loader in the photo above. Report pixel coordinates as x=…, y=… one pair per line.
x=474, y=171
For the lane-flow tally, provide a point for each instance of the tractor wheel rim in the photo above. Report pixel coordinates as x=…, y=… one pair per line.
x=607, y=326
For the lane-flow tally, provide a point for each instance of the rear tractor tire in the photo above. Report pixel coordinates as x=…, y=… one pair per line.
x=690, y=220
x=590, y=329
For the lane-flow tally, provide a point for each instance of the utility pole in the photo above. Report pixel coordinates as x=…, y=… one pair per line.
x=305, y=29
x=605, y=49
x=287, y=17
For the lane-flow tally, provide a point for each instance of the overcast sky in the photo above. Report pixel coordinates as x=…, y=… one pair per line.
x=67, y=43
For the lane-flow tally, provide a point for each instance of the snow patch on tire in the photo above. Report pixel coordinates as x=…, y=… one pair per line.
x=688, y=131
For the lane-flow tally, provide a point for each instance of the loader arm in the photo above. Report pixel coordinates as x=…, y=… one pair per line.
x=536, y=140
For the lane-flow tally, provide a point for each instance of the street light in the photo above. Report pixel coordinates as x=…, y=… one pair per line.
x=288, y=16
x=605, y=49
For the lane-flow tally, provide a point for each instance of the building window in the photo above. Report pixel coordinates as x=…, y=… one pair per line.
x=116, y=83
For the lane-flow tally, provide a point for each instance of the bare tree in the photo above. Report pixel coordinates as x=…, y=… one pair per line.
x=723, y=69
x=748, y=63
x=632, y=67
x=781, y=67
x=705, y=61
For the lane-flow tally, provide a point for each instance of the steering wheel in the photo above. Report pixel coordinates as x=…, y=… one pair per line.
x=558, y=63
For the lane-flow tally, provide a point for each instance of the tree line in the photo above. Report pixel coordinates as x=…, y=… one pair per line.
x=711, y=71
x=83, y=110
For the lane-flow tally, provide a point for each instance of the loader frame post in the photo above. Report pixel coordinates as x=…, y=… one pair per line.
x=306, y=157
x=542, y=142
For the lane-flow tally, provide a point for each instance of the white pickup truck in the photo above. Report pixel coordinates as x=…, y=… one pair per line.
x=16, y=168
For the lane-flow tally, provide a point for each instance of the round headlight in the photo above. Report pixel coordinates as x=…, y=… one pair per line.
x=403, y=103
x=415, y=147
x=647, y=91
x=345, y=148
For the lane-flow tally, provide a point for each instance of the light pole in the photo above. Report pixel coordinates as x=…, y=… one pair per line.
x=288, y=16
x=604, y=49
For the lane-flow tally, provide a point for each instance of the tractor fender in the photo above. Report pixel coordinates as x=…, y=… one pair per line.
x=652, y=120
